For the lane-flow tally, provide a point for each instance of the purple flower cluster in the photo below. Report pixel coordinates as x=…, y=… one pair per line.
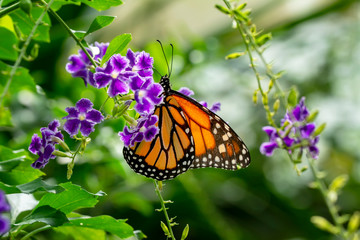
x=82, y=117
x=187, y=92
x=45, y=146
x=4, y=207
x=144, y=130
x=294, y=130
x=80, y=65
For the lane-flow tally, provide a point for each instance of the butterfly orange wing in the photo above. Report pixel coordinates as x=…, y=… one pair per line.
x=216, y=143
x=190, y=136
x=172, y=150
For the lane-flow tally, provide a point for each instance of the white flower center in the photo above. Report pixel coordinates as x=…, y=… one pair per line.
x=135, y=68
x=142, y=129
x=82, y=116
x=114, y=75
x=142, y=93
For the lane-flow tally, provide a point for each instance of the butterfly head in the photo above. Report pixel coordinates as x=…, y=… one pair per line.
x=165, y=83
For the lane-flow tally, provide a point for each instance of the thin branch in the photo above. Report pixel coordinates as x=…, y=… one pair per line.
x=23, y=51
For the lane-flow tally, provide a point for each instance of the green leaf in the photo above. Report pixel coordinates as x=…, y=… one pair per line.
x=25, y=23
x=324, y=224
x=117, y=227
x=263, y=39
x=99, y=23
x=72, y=198
x=354, y=222
x=293, y=96
x=39, y=185
x=102, y=5
x=222, y=9
x=80, y=34
x=45, y=214
x=117, y=45
x=235, y=55
x=5, y=117
x=57, y=4
x=78, y=233
x=338, y=183
x=21, y=80
x=185, y=232
x=16, y=167
x=8, y=189
x=26, y=6
x=8, y=41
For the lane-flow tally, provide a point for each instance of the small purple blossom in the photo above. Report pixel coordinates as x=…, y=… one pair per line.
x=294, y=130
x=140, y=62
x=188, y=92
x=4, y=207
x=299, y=113
x=82, y=117
x=147, y=94
x=45, y=146
x=144, y=130
x=80, y=66
x=115, y=75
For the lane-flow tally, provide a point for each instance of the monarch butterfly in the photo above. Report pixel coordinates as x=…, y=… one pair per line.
x=190, y=136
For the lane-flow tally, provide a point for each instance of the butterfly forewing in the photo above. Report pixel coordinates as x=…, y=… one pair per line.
x=216, y=144
x=171, y=152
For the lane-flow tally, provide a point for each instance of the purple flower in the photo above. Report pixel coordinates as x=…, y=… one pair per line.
x=144, y=130
x=299, y=113
x=80, y=65
x=140, y=62
x=4, y=207
x=147, y=94
x=188, y=92
x=296, y=131
x=214, y=108
x=45, y=146
x=82, y=117
x=115, y=75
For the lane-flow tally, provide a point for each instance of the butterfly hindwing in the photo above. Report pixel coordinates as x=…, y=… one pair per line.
x=172, y=150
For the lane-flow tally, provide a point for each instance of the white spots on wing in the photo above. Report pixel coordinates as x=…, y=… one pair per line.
x=225, y=137
x=214, y=131
x=221, y=148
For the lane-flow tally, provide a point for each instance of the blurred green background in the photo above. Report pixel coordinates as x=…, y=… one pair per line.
x=317, y=43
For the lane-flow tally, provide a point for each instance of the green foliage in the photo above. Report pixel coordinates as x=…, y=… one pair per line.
x=117, y=45
x=72, y=198
x=8, y=41
x=22, y=79
x=99, y=23
x=16, y=167
x=24, y=24
x=45, y=214
x=217, y=205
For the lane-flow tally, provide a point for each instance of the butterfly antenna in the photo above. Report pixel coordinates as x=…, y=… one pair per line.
x=172, y=59
x=162, y=49
x=157, y=71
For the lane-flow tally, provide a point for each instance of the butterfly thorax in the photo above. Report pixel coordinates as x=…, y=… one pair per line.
x=165, y=83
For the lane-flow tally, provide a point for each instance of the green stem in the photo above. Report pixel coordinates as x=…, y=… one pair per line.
x=330, y=205
x=9, y=9
x=77, y=40
x=23, y=51
x=35, y=232
x=163, y=208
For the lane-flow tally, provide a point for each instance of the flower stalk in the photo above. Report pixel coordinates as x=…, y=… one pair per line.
x=158, y=188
